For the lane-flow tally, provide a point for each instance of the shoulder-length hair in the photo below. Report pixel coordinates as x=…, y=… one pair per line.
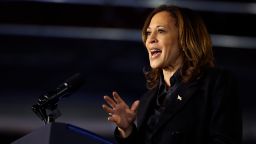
x=193, y=40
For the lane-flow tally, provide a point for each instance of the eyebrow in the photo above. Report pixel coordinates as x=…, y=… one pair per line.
x=159, y=26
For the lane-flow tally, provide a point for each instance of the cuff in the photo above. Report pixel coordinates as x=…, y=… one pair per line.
x=131, y=139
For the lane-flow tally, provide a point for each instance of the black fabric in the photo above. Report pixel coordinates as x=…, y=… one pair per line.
x=208, y=113
x=130, y=139
x=165, y=95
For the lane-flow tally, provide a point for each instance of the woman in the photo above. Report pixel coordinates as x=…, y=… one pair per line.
x=189, y=101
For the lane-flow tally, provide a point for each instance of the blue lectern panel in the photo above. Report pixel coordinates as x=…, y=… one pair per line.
x=60, y=133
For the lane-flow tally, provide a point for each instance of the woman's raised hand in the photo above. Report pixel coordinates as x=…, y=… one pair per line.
x=120, y=113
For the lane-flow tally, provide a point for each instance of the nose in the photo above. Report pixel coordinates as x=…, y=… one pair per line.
x=152, y=38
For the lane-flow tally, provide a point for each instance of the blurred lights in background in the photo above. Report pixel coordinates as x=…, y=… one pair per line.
x=112, y=34
x=43, y=41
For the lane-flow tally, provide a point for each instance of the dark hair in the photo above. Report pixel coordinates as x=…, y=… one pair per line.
x=193, y=39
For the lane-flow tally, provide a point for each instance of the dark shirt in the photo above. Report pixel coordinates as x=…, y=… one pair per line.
x=164, y=96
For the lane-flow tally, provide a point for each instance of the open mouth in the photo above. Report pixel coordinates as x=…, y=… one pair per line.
x=155, y=52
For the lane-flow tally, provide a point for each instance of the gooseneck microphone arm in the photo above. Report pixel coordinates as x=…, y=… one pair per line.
x=46, y=107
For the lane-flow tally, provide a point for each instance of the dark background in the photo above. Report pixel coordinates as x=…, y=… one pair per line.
x=43, y=42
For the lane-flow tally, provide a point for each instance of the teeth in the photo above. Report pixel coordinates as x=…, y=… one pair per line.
x=155, y=50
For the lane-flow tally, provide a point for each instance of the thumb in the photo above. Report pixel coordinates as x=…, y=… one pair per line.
x=135, y=105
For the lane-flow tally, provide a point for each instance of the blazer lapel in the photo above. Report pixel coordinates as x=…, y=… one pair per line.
x=181, y=98
x=146, y=101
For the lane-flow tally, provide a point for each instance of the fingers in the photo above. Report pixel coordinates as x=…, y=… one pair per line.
x=110, y=101
x=135, y=105
x=110, y=112
x=117, y=98
x=107, y=109
x=115, y=119
x=119, y=112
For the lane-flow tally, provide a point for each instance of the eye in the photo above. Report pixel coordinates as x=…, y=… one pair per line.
x=161, y=31
x=148, y=33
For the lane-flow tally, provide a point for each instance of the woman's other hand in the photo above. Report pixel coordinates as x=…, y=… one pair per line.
x=120, y=113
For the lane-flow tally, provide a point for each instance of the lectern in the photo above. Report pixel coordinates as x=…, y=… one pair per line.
x=61, y=133
x=47, y=110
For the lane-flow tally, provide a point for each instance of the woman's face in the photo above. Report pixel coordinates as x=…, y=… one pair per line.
x=162, y=41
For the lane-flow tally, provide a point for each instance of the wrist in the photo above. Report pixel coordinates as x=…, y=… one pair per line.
x=124, y=133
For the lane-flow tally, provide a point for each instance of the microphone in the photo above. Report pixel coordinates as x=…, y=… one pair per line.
x=47, y=105
x=63, y=90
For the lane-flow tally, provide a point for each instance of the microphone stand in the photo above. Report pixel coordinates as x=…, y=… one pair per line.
x=46, y=107
x=47, y=114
